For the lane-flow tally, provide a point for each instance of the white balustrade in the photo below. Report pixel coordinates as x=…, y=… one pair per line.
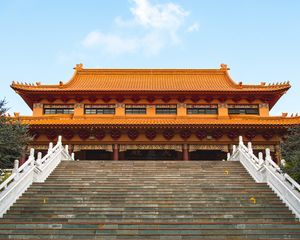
x=269, y=172
x=31, y=171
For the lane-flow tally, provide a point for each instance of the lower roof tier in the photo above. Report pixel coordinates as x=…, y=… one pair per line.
x=237, y=121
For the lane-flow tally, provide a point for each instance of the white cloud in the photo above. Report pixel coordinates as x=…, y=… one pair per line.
x=194, y=27
x=113, y=43
x=151, y=28
x=161, y=16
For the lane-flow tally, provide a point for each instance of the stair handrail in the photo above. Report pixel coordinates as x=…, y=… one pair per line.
x=33, y=170
x=266, y=170
x=45, y=165
x=17, y=171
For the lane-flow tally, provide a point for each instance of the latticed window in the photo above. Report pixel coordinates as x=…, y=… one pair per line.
x=166, y=109
x=202, y=109
x=135, y=109
x=58, y=109
x=250, y=109
x=99, y=109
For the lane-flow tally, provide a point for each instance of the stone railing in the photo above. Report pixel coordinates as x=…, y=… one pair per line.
x=266, y=170
x=33, y=170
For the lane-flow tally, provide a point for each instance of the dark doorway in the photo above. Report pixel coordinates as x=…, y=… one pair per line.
x=208, y=155
x=151, y=155
x=94, y=155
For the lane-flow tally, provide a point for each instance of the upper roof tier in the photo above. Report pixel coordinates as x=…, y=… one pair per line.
x=150, y=80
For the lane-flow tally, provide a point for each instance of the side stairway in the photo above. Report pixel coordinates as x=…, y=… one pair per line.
x=149, y=200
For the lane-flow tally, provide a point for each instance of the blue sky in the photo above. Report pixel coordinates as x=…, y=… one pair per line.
x=43, y=40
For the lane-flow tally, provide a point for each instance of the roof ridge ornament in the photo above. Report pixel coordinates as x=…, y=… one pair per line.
x=78, y=67
x=224, y=66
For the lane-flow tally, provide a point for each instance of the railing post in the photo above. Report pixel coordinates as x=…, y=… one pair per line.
x=31, y=157
x=240, y=140
x=38, y=160
x=233, y=149
x=228, y=156
x=268, y=156
x=250, y=147
x=50, y=147
x=261, y=158
x=67, y=148
x=59, y=140
x=16, y=166
x=73, y=156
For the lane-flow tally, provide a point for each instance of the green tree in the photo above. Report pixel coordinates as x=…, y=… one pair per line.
x=291, y=153
x=14, y=138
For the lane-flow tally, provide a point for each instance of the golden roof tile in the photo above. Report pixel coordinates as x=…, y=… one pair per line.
x=149, y=80
x=148, y=121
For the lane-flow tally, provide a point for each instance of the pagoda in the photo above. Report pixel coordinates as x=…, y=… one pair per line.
x=155, y=114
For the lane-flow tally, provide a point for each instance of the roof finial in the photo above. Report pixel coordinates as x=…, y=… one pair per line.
x=78, y=67
x=224, y=66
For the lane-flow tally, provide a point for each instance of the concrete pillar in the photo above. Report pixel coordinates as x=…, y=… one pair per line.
x=222, y=110
x=185, y=152
x=120, y=109
x=115, y=152
x=181, y=109
x=151, y=111
x=264, y=110
x=37, y=109
x=78, y=109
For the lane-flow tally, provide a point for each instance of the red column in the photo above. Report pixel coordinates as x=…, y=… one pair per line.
x=185, y=152
x=22, y=160
x=115, y=152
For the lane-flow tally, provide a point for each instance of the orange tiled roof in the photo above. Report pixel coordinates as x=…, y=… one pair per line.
x=173, y=80
x=139, y=121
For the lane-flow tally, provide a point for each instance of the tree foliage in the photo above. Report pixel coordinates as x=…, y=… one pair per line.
x=291, y=153
x=14, y=138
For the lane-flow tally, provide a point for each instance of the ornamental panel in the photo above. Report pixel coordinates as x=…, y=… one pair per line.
x=195, y=147
x=123, y=147
x=39, y=147
x=106, y=147
x=263, y=147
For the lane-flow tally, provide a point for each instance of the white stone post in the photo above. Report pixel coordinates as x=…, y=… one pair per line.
x=228, y=156
x=73, y=156
x=31, y=157
x=50, y=147
x=59, y=141
x=250, y=147
x=67, y=148
x=38, y=160
x=260, y=158
x=233, y=149
x=16, y=166
x=241, y=140
x=268, y=156
x=283, y=162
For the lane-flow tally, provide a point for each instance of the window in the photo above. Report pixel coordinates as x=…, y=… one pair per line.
x=99, y=109
x=58, y=109
x=135, y=109
x=243, y=109
x=166, y=109
x=202, y=109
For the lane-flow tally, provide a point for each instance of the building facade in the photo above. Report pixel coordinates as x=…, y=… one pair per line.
x=155, y=114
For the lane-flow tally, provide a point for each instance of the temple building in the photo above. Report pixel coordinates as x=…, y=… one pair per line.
x=155, y=114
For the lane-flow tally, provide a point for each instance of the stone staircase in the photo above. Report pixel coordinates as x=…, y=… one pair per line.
x=149, y=200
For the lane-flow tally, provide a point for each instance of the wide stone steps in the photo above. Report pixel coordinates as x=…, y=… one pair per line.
x=149, y=200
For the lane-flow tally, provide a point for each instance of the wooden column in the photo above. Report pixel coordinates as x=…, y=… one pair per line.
x=185, y=152
x=115, y=152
